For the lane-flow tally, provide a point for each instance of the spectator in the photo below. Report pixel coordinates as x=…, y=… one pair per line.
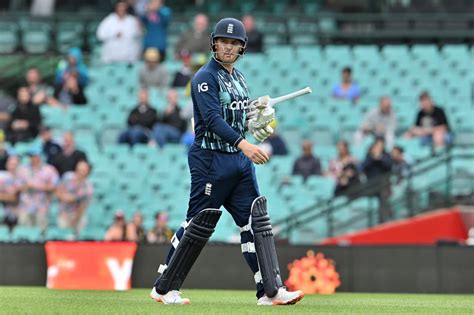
x=347, y=181
x=135, y=230
x=344, y=158
x=50, y=148
x=70, y=92
x=377, y=167
x=67, y=160
x=307, y=164
x=120, y=34
x=37, y=89
x=25, y=119
x=160, y=233
x=185, y=73
x=255, y=37
x=431, y=124
x=72, y=65
x=347, y=89
x=12, y=183
x=400, y=167
x=195, y=40
x=153, y=74
x=277, y=144
x=379, y=122
x=140, y=121
x=3, y=152
x=41, y=181
x=156, y=21
x=74, y=193
x=170, y=126
x=118, y=230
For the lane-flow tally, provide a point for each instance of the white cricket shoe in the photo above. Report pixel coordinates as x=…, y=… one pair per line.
x=283, y=297
x=172, y=297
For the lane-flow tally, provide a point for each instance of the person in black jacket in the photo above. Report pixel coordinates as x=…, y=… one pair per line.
x=70, y=92
x=140, y=121
x=307, y=164
x=25, y=119
x=69, y=157
x=170, y=126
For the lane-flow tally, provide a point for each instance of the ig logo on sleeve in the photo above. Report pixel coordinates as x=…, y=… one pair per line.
x=202, y=87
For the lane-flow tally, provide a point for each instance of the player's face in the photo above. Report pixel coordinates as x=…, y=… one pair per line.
x=228, y=49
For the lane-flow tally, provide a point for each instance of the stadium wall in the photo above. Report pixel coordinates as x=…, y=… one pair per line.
x=408, y=269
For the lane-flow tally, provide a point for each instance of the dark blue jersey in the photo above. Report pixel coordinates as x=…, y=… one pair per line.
x=219, y=102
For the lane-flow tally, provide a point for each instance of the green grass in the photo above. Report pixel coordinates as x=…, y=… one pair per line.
x=34, y=300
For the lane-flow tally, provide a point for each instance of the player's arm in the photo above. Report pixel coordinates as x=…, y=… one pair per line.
x=206, y=93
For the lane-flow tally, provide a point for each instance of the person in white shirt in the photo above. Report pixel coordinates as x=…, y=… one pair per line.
x=121, y=36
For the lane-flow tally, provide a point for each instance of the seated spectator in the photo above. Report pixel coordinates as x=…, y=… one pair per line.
x=71, y=92
x=74, y=193
x=67, y=160
x=72, y=65
x=379, y=122
x=135, y=229
x=431, y=124
x=25, y=119
x=348, y=181
x=255, y=38
x=35, y=200
x=120, y=34
x=140, y=121
x=170, y=125
x=12, y=183
x=195, y=40
x=377, y=167
x=307, y=164
x=160, y=233
x=118, y=230
x=183, y=76
x=7, y=104
x=344, y=158
x=400, y=167
x=155, y=22
x=50, y=148
x=153, y=74
x=277, y=144
x=347, y=89
x=38, y=90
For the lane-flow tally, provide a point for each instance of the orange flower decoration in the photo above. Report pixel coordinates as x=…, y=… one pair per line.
x=313, y=274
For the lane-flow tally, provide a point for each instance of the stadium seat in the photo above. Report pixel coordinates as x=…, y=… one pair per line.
x=58, y=234
x=26, y=233
x=68, y=35
x=4, y=234
x=8, y=37
x=36, y=37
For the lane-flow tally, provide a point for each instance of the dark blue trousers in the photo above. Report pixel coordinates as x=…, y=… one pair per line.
x=223, y=179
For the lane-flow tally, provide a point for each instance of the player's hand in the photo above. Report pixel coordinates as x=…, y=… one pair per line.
x=257, y=105
x=253, y=152
x=260, y=134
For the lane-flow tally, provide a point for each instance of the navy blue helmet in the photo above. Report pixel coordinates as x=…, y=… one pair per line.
x=230, y=28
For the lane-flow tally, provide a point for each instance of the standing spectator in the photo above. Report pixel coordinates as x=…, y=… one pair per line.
x=307, y=164
x=140, y=121
x=70, y=92
x=255, y=37
x=74, y=193
x=153, y=74
x=400, y=167
x=72, y=65
x=377, y=167
x=25, y=119
x=431, y=124
x=118, y=230
x=41, y=181
x=50, y=148
x=135, y=230
x=12, y=183
x=195, y=40
x=68, y=159
x=38, y=90
x=170, y=126
x=347, y=89
x=379, y=122
x=185, y=73
x=156, y=21
x=120, y=34
x=160, y=233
